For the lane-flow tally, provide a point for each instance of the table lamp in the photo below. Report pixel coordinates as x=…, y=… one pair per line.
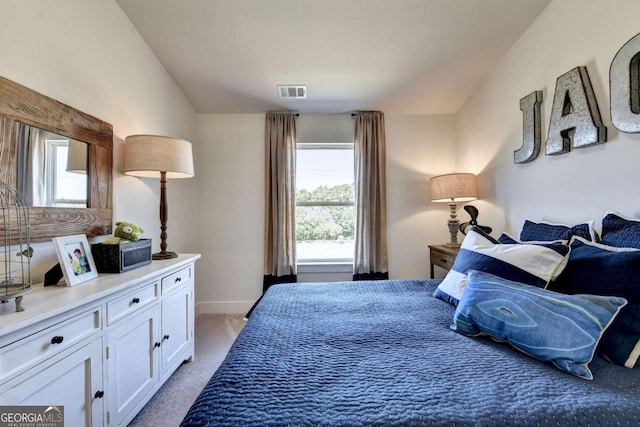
x=454, y=188
x=153, y=156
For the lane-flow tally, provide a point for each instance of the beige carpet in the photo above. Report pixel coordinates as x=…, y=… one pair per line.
x=214, y=335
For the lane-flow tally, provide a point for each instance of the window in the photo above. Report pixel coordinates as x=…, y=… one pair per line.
x=325, y=209
x=65, y=189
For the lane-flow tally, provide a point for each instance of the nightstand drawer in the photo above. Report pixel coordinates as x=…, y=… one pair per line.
x=442, y=256
x=442, y=260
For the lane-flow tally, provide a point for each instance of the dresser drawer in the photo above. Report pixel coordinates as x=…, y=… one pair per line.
x=31, y=350
x=176, y=279
x=130, y=302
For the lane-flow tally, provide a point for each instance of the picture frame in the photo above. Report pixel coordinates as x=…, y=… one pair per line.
x=76, y=261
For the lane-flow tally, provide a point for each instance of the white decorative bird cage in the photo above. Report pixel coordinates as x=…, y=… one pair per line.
x=15, y=252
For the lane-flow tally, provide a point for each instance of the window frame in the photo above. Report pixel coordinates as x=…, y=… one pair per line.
x=325, y=146
x=51, y=168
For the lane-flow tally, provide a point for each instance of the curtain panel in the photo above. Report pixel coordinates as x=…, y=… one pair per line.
x=30, y=157
x=280, y=185
x=370, y=258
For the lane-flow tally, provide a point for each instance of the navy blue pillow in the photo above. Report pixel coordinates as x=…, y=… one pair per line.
x=541, y=231
x=597, y=269
x=620, y=232
x=505, y=239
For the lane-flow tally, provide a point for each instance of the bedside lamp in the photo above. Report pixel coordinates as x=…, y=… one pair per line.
x=454, y=188
x=152, y=156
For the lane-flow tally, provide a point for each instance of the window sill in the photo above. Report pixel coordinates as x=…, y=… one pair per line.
x=325, y=267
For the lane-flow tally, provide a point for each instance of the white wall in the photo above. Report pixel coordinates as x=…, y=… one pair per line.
x=325, y=128
x=231, y=174
x=88, y=55
x=571, y=187
x=418, y=147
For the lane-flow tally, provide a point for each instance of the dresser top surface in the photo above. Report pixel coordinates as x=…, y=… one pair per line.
x=45, y=302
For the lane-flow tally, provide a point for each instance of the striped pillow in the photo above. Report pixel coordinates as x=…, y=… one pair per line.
x=530, y=264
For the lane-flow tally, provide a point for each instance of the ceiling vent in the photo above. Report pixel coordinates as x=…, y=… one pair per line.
x=292, y=91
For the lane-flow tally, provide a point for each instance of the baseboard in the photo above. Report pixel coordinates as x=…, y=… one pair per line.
x=223, y=307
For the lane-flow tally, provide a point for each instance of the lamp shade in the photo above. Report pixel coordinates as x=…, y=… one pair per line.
x=148, y=155
x=454, y=187
x=77, y=156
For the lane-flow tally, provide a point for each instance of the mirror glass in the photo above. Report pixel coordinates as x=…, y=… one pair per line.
x=52, y=169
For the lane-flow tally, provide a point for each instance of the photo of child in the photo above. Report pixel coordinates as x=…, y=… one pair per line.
x=75, y=259
x=79, y=262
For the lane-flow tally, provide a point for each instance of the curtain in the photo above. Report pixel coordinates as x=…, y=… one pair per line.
x=370, y=259
x=30, y=155
x=6, y=154
x=280, y=185
x=280, y=206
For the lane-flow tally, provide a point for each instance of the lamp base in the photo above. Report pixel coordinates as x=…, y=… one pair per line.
x=164, y=255
x=453, y=224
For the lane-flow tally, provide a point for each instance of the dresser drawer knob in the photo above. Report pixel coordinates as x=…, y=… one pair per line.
x=99, y=394
x=157, y=345
x=135, y=300
x=178, y=279
x=57, y=339
x=166, y=337
x=444, y=260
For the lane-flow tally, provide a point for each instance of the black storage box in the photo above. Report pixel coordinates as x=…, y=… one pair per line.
x=122, y=257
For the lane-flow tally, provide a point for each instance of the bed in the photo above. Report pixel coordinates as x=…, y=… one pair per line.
x=382, y=353
x=427, y=352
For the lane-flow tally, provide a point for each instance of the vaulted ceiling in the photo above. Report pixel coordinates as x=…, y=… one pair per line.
x=398, y=56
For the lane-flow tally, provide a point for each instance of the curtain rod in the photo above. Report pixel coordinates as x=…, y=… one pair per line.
x=298, y=114
x=355, y=113
x=283, y=112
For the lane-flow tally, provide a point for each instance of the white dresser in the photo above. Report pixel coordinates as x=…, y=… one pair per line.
x=102, y=348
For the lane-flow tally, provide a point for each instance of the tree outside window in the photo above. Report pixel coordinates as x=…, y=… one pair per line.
x=325, y=210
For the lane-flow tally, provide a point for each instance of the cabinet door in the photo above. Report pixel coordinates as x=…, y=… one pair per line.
x=74, y=382
x=177, y=328
x=132, y=363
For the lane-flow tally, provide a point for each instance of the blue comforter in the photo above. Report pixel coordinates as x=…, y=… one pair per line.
x=382, y=354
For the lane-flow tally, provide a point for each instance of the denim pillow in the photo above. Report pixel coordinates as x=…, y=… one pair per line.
x=605, y=270
x=544, y=231
x=549, y=326
x=532, y=264
x=620, y=231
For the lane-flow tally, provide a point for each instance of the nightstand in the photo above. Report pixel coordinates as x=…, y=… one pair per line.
x=442, y=256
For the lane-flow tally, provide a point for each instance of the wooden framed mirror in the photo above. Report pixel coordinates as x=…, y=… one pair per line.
x=26, y=112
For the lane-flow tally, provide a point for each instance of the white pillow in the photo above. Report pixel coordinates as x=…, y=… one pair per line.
x=531, y=264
